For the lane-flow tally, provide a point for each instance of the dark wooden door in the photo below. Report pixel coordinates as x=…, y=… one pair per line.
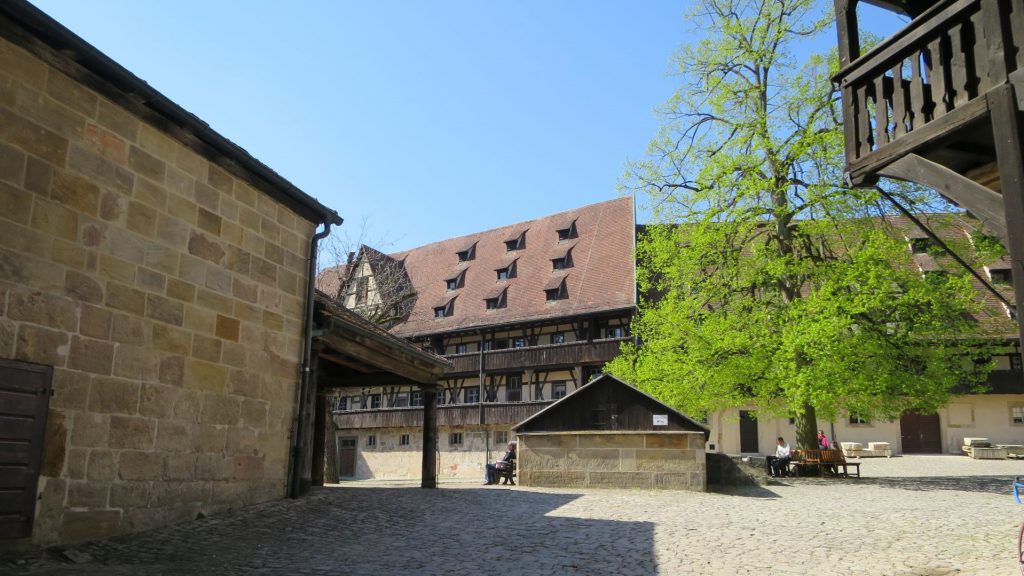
x=346, y=457
x=748, y=433
x=24, y=398
x=920, y=433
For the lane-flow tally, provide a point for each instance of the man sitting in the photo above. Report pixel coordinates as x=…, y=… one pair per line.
x=779, y=463
x=507, y=462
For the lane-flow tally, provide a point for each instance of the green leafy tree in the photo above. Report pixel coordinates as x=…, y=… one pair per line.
x=763, y=279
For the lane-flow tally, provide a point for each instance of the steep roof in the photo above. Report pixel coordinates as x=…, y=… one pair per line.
x=601, y=276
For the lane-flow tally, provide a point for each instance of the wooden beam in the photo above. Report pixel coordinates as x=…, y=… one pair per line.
x=981, y=201
x=356, y=380
x=428, y=475
x=403, y=366
x=1007, y=130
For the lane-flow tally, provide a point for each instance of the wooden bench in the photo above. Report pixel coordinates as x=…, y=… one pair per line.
x=824, y=460
x=507, y=476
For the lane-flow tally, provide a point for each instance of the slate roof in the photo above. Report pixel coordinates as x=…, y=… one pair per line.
x=601, y=278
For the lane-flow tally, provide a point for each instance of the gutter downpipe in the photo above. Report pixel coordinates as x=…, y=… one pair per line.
x=298, y=427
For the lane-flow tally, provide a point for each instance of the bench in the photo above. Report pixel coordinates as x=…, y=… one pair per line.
x=823, y=460
x=507, y=476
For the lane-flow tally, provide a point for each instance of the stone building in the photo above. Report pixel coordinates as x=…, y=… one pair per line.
x=608, y=434
x=154, y=280
x=525, y=314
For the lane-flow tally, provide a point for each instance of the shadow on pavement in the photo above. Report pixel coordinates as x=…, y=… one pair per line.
x=375, y=531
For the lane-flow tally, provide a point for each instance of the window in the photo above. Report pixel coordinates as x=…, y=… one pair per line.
x=590, y=372
x=491, y=303
x=514, y=388
x=467, y=254
x=486, y=345
x=614, y=332
x=500, y=343
x=403, y=440
x=516, y=242
x=567, y=233
x=501, y=437
x=558, y=338
x=453, y=283
x=371, y=440
x=455, y=439
x=558, y=264
x=558, y=389
x=1001, y=275
x=1017, y=414
x=496, y=299
x=439, y=312
x=447, y=309
x=857, y=419
x=555, y=290
x=374, y=401
x=416, y=398
x=519, y=342
x=506, y=272
x=343, y=403
x=554, y=294
x=1015, y=363
x=471, y=395
x=921, y=245
x=461, y=348
x=442, y=397
x=401, y=401
x=362, y=289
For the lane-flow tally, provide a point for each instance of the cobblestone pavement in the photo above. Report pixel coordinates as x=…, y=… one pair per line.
x=924, y=516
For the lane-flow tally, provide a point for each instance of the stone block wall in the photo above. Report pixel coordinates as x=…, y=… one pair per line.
x=672, y=460
x=166, y=293
x=388, y=459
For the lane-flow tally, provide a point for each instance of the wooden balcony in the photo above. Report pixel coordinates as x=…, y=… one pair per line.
x=923, y=90
x=539, y=357
x=495, y=413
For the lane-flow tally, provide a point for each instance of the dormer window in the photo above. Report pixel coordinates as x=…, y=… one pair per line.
x=562, y=259
x=567, y=233
x=921, y=245
x=468, y=253
x=455, y=282
x=496, y=299
x=445, y=308
x=1000, y=275
x=506, y=272
x=516, y=241
x=555, y=289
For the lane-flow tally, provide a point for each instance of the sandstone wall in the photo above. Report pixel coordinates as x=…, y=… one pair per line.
x=388, y=459
x=673, y=460
x=166, y=293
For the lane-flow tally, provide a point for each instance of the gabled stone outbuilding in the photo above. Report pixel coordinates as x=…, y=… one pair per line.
x=609, y=434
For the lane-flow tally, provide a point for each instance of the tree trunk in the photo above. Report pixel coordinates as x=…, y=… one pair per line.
x=807, y=428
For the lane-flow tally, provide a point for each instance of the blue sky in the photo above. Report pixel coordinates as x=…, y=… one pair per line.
x=417, y=121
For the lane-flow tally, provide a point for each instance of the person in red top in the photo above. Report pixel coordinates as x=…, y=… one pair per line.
x=822, y=440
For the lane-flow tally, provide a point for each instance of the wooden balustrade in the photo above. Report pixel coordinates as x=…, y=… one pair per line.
x=938, y=65
x=570, y=354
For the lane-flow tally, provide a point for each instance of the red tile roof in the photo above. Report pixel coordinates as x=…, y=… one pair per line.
x=601, y=278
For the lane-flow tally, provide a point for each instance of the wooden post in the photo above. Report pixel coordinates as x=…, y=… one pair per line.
x=846, y=27
x=1007, y=130
x=319, y=439
x=331, y=447
x=429, y=471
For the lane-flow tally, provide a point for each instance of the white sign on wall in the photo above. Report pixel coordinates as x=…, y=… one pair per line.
x=661, y=419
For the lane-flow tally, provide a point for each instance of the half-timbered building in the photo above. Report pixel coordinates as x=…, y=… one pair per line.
x=525, y=314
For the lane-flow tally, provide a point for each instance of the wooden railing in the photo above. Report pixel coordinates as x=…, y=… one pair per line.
x=570, y=354
x=495, y=413
x=936, y=67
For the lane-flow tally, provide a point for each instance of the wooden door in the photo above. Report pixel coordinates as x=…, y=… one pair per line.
x=24, y=398
x=920, y=433
x=748, y=433
x=346, y=457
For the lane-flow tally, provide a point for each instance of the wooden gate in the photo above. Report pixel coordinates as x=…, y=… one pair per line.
x=920, y=433
x=346, y=457
x=748, y=433
x=24, y=398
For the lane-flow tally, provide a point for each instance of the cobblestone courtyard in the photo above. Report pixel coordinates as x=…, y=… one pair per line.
x=918, y=515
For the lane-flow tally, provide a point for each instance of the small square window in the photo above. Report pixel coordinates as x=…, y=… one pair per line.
x=374, y=401
x=404, y=440
x=467, y=254
x=343, y=403
x=472, y=395
x=493, y=303
x=519, y=342
x=558, y=338
x=557, y=389
x=858, y=419
x=563, y=235
x=501, y=437
x=486, y=345
x=371, y=440
x=439, y=312
x=514, y=388
x=453, y=283
x=461, y=348
x=614, y=332
x=416, y=398
x=455, y=439
x=558, y=264
x=1017, y=414
x=442, y=397
x=1001, y=276
x=500, y=344
x=553, y=294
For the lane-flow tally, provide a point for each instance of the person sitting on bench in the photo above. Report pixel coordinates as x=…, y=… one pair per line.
x=778, y=464
x=506, y=463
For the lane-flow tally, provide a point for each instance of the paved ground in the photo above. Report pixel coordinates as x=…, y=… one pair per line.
x=924, y=516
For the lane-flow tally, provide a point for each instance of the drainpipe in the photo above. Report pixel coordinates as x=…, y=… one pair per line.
x=298, y=427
